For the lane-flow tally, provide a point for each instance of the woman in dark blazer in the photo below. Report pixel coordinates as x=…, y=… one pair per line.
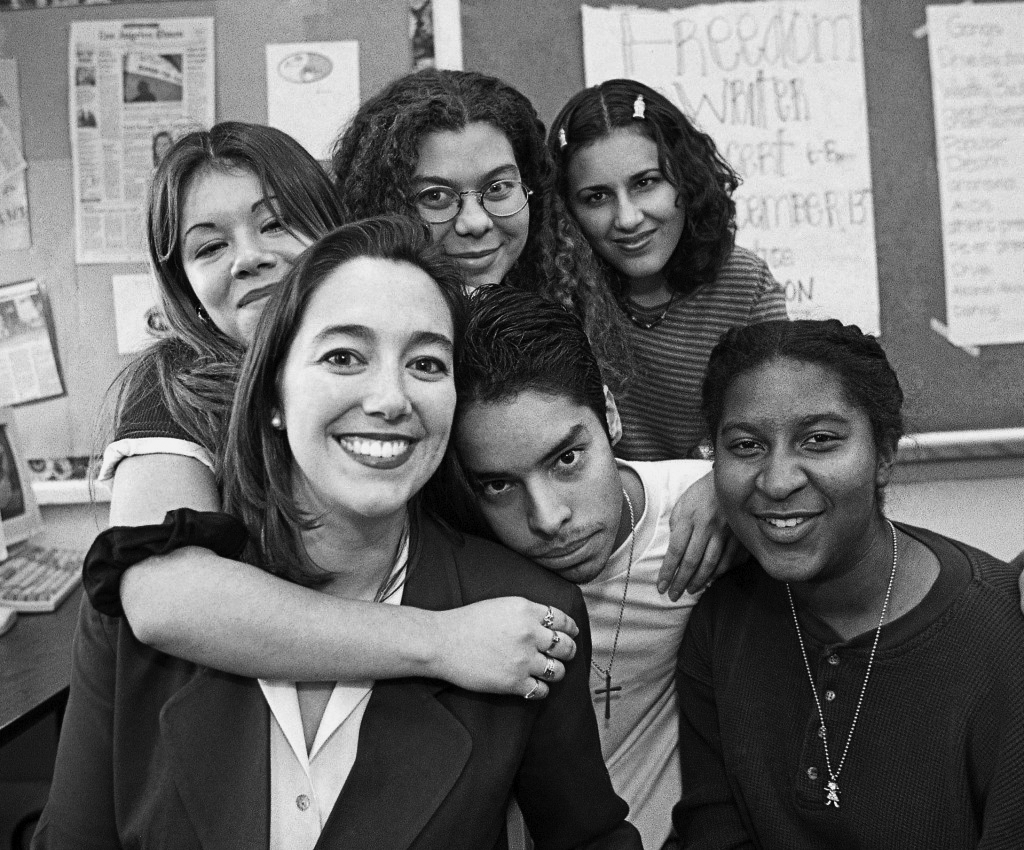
x=342, y=414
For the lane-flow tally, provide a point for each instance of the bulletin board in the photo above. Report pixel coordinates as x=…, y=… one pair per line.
x=80, y=296
x=540, y=52
x=947, y=389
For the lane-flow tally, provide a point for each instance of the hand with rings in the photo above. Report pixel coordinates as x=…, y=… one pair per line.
x=505, y=646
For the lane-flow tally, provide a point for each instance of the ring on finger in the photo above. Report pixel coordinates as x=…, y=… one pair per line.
x=529, y=694
x=549, y=619
x=555, y=638
x=549, y=671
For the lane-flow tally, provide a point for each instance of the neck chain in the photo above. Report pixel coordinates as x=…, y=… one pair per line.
x=832, y=788
x=647, y=324
x=607, y=673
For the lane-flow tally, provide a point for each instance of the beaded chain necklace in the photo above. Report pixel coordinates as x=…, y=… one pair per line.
x=832, y=787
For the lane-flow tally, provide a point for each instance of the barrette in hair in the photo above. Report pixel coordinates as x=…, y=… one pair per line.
x=562, y=140
x=639, y=107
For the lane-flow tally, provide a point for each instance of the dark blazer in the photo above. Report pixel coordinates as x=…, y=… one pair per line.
x=159, y=753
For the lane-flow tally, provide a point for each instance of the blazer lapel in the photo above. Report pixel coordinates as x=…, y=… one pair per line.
x=217, y=729
x=412, y=749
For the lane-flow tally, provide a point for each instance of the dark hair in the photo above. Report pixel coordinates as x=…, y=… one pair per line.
x=375, y=158
x=257, y=462
x=517, y=342
x=856, y=359
x=688, y=158
x=195, y=363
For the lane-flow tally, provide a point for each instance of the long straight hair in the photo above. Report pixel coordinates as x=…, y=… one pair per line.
x=193, y=363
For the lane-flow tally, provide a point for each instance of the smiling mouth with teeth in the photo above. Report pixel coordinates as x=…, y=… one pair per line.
x=790, y=522
x=374, y=448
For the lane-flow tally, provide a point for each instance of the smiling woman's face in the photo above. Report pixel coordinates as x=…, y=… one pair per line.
x=234, y=248
x=797, y=471
x=367, y=390
x=484, y=246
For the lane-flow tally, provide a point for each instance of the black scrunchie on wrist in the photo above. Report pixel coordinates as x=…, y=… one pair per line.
x=120, y=547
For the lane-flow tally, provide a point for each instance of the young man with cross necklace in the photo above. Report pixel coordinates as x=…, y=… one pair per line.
x=534, y=438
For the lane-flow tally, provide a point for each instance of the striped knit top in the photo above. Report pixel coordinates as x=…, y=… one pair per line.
x=660, y=408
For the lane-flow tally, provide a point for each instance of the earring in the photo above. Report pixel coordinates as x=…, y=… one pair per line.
x=204, y=317
x=562, y=140
x=276, y=421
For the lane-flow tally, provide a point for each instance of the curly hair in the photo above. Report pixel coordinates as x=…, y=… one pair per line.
x=688, y=158
x=195, y=364
x=374, y=160
x=856, y=359
x=257, y=461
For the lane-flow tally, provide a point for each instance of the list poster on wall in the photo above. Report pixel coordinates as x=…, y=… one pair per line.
x=134, y=87
x=780, y=88
x=977, y=67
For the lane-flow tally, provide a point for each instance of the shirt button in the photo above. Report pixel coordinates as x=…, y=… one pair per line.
x=302, y=801
x=812, y=773
x=830, y=695
x=833, y=659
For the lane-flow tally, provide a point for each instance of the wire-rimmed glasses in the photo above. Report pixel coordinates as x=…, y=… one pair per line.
x=501, y=199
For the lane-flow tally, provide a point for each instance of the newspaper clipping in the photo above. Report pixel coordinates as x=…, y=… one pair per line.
x=14, y=228
x=135, y=86
x=28, y=362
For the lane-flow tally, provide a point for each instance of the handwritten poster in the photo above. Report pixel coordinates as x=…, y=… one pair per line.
x=977, y=65
x=780, y=88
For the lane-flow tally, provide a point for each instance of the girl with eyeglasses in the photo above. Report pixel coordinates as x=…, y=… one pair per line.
x=652, y=194
x=465, y=152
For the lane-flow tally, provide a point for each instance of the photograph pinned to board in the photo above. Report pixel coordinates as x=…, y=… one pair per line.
x=780, y=88
x=435, y=34
x=134, y=301
x=135, y=86
x=312, y=91
x=29, y=368
x=15, y=234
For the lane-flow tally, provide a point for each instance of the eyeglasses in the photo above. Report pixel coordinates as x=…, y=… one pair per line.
x=503, y=198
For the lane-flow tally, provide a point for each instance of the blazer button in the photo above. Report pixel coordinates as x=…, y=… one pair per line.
x=302, y=801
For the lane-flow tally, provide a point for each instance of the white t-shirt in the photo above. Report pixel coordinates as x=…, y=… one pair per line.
x=640, y=741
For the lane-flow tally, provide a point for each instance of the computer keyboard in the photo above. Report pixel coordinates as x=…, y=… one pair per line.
x=37, y=578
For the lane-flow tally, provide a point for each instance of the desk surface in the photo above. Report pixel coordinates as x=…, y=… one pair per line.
x=35, y=664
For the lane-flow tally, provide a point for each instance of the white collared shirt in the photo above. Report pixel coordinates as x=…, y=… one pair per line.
x=305, y=786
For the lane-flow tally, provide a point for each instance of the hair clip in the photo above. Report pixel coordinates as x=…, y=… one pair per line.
x=640, y=107
x=562, y=140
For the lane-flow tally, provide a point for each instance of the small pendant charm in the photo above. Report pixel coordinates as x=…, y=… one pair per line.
x=832, y=795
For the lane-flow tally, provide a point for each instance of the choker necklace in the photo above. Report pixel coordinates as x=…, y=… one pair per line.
x=607, y=673
x=647, y=324
x=832, y=788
